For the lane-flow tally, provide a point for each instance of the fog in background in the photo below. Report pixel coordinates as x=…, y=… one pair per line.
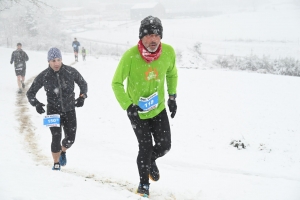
x=214, y=5
x=39, y=27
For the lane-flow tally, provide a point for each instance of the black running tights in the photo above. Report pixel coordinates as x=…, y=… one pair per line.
x=159, y=128
x=69, y=123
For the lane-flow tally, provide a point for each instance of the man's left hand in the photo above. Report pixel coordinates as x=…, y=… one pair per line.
x=172, y=107
x=79, y=102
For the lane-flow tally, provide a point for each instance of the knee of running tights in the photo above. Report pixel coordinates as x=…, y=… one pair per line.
x=67, y=143
x=167, y=149
x=145, y=148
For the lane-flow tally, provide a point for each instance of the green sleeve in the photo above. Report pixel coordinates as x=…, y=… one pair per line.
x=121, y=74
x=172, y=76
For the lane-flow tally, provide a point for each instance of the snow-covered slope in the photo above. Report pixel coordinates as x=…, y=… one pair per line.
x=214, y=107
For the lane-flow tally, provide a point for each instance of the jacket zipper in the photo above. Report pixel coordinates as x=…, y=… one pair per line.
x=60, y=93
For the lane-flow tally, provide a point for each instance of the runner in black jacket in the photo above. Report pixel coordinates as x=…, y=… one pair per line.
x=19, y=58
x=58, y=81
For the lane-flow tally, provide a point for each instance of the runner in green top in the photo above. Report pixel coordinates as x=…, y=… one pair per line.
x=146, y=66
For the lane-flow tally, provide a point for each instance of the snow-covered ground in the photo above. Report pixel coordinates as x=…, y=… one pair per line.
x=214, y=107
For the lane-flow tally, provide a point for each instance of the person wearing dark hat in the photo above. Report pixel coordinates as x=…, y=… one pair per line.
x=147, y=66
x=75, y=45
x=19, y=58
x=58, y=81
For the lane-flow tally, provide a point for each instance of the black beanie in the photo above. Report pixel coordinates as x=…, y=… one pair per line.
x=151, y=25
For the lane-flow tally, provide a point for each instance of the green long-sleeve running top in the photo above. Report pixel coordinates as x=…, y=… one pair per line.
x=145, y=79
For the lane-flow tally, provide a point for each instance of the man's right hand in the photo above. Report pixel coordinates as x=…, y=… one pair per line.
x=11, y=62
x=132, y=112
x=39, y=108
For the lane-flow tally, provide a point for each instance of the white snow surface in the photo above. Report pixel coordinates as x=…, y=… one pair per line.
x=215, y=106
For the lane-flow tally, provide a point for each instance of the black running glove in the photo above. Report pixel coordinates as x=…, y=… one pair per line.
x=39, y=108
x=172, y=106
x=79, y=102
x=132, y=112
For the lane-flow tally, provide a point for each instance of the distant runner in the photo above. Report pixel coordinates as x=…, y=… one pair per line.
x=83, y=52
x=19, y=57
x=75, y=45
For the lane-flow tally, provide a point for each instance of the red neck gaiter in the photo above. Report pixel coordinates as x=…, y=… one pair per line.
x=148, y=56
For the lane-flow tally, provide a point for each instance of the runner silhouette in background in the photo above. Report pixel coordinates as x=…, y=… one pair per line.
x=83, y=52
x=75, y=45
x=19, y=57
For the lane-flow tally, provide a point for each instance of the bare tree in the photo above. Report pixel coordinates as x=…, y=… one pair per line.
x=31, y=25
x=7, y=4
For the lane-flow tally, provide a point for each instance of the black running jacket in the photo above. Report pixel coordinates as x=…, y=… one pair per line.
x=19, y=57
x=59, y=87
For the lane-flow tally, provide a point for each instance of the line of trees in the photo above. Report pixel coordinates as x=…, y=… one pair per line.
x=8, y=4
x=33, y=23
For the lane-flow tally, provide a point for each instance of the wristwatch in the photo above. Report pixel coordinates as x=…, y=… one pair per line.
x=172, y=96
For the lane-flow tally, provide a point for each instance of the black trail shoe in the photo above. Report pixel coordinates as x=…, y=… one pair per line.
x=143, y=190
x=154, y=172
x=56, y=167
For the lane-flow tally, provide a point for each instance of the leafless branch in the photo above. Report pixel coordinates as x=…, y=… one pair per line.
x=7, y=4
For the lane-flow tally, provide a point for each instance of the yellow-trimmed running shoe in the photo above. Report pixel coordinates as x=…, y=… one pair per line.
x=143, y=190
x=154, y=172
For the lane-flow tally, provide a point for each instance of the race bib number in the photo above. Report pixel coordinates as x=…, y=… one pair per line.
x=148, y=103
x=19, y=66
x=52, y=120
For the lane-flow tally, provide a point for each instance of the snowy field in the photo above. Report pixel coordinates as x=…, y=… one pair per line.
x=214, y=107
x=272, y=31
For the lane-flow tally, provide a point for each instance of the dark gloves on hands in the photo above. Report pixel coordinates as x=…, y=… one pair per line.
x=172, y=106
x=132, y=112
x=11, y=62
x=39, y=108
x=79, y=102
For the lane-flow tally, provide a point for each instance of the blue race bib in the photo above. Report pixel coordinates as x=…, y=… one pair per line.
x=52, y=120
x=148, y=103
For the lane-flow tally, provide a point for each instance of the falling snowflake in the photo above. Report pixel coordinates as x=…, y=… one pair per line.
x=56, y=90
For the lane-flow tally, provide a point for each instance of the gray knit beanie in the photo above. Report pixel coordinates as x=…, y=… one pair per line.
x=54, y=53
